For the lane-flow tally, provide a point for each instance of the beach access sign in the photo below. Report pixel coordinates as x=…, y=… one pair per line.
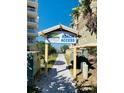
x=61, y=37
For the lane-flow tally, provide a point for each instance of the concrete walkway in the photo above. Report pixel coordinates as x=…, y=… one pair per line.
x=59, y=79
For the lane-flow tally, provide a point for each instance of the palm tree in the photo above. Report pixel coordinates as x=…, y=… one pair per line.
x=85, y=6
x=92, y=24
x=91, y=17
x=75, y=14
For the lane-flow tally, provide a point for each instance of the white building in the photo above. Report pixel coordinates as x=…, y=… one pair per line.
x=32, y=22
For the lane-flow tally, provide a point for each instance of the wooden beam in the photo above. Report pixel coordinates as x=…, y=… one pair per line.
x=74, y=62
x=85, y=45
x=46, y=58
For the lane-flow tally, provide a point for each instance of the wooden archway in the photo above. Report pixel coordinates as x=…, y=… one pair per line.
x=48, y=31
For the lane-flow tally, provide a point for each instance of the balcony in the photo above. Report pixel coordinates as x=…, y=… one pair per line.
x=33, y=0
x=30, y=42
x=33, y=3
x=32, y=20
x=32, y=23
x=32, y=12
x=31, y=9
x=31, y=32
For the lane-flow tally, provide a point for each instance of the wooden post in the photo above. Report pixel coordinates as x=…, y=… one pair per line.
x=74, y=62
x=46, y=58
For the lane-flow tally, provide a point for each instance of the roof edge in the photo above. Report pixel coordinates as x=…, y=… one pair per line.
x=52, y=29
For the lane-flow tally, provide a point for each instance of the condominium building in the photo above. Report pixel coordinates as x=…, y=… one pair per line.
x=32, y=22
x=33, y=57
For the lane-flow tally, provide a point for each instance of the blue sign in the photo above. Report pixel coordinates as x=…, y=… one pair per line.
x=61, y=37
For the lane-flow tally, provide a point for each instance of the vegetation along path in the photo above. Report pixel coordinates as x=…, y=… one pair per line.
x=59, y=78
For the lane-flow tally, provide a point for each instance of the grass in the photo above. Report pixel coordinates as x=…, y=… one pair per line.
x=51, y=60
x=67, y=58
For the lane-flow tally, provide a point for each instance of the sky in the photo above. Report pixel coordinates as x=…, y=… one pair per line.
x=54, y=12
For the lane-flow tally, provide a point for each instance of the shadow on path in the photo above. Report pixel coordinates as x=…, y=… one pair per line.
x=56, y=84
x=59, y=62
x=59, y=84
x=59, y=79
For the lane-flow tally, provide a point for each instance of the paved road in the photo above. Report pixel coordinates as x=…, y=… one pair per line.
x=59, y=79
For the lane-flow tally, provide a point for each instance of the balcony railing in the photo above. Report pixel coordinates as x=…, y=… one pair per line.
x=31, y=9
x=31, y=20
x=33, y=0
x=31, y=31
x=30, y=41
